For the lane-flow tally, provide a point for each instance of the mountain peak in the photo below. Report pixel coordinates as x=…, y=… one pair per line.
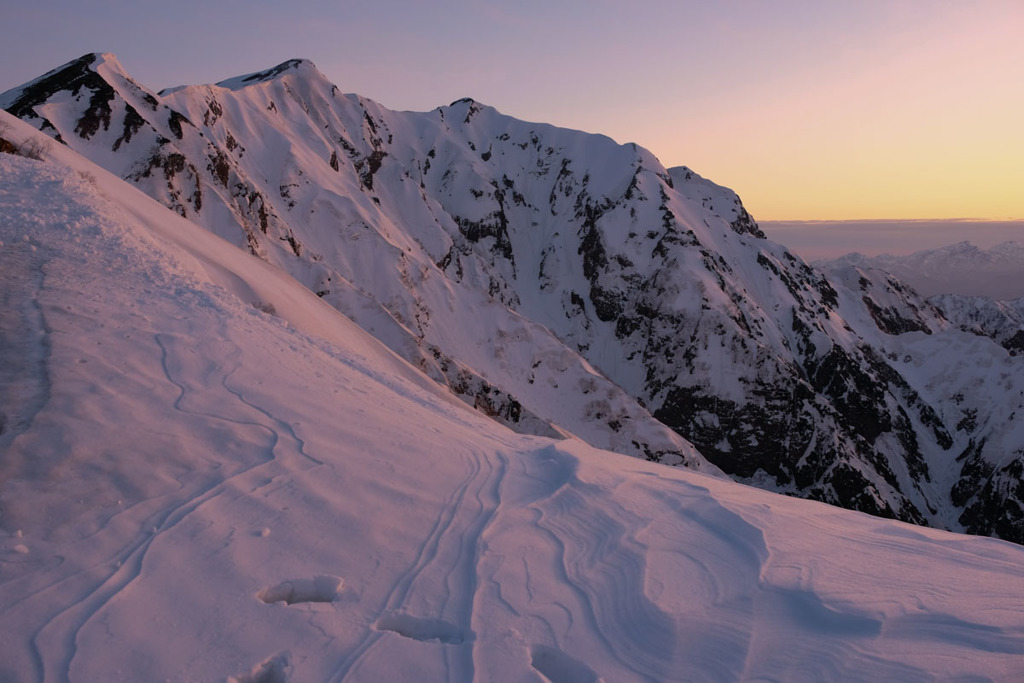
x=299, y=66
x=466, y=108
x=103, y=58
x=92, y=71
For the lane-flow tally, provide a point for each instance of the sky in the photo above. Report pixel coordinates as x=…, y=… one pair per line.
x=810, y=110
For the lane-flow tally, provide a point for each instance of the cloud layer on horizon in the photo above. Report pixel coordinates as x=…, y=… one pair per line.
x=813, y=240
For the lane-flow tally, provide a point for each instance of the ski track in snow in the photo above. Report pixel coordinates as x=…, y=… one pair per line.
x=204, y=392
x=443, y=578
x=56, y=640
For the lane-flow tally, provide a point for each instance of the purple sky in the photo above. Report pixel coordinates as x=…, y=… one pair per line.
x=809, y=109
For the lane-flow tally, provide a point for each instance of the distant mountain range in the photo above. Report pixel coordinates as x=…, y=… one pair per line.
x=962, y=268
x=562, y=283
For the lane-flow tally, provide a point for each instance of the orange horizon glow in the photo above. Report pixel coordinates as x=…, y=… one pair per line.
x=917, y=118
x=925, y=129
x=809, y=110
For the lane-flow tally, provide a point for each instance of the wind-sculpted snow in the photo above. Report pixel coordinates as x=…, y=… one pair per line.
x=24, y=342
x=205, y=491
x=562, y=283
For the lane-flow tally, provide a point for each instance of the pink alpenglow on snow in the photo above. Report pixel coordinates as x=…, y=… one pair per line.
x=197, y=488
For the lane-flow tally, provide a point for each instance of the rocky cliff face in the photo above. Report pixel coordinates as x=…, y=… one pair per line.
x=564, y=283
x=1003, y=321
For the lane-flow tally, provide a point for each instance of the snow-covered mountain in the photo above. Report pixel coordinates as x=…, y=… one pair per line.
x=565, y=284
x=962, y=268
x=208, y=473
x=1001, y=320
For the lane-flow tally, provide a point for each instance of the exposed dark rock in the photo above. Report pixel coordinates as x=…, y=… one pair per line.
x=890, y=321
x=132, y=123
x=274, y=72
x=72, y=78
x=174, y=122
x=992, y=498
x=1015, y=344
x=745, y=223
x=220, y=167
x=370, y=165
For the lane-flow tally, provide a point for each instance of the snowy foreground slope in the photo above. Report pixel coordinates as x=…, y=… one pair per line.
x=560, y=283
x=192, y=488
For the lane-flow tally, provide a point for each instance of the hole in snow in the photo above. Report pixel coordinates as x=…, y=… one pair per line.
x=269, y=671
x=424, y=630
x=317, y=589
x=558, y=667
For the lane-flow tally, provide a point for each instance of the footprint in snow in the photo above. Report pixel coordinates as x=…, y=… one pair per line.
x=424, y=630
x=558, y=667
x=272, y=670
x=318, y=589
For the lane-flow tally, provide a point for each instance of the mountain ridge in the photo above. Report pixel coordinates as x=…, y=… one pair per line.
x=962, y=268
x=556, y=274
x=229, y=480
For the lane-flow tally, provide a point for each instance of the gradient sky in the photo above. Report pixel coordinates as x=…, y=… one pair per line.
x=845, y=109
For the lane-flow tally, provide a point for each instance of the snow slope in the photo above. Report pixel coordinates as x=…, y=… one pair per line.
x=562, y=283
x=192, y=488
x=1000, y=320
